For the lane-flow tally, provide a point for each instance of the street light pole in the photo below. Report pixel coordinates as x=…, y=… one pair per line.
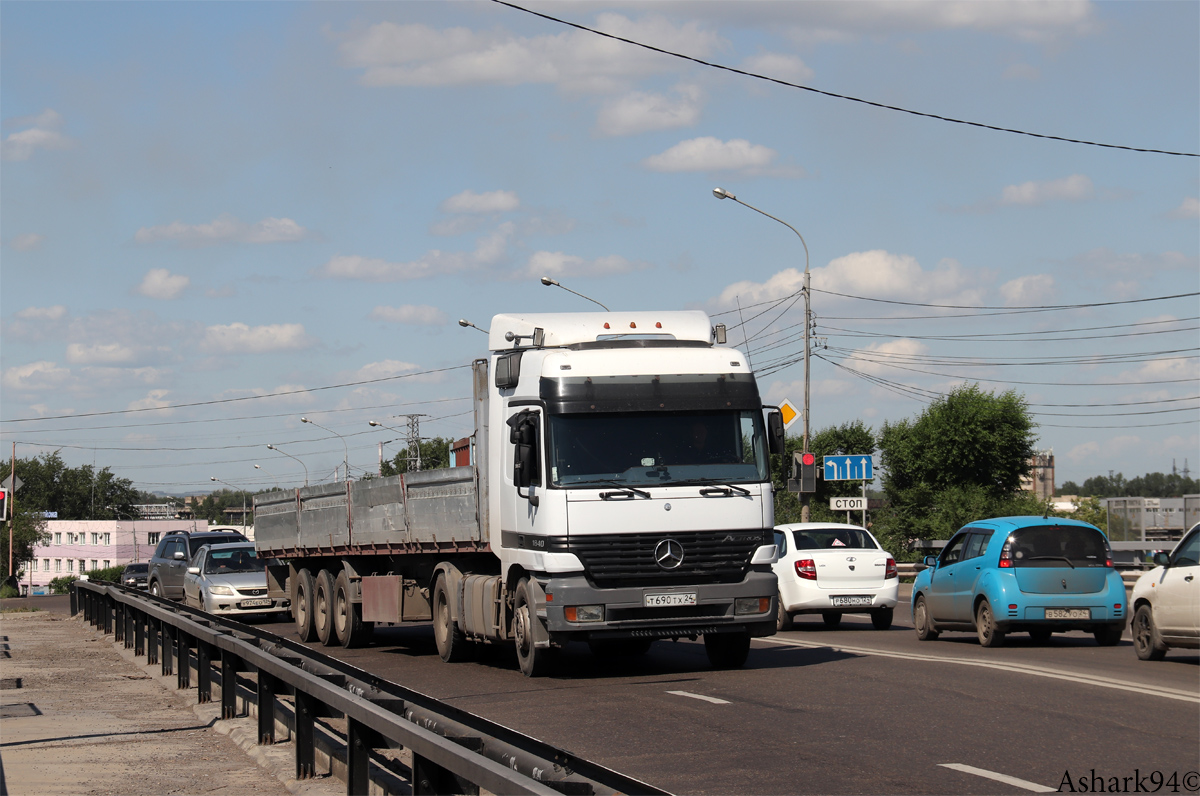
x=547, y=281
x=273, y=478
x=345, y=461
x=290, y=456
x=721, y=193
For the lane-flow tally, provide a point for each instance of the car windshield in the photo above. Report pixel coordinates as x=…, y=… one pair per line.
x=195, y=543
x=222, y=562
x=134, y=569
x=657, y=449
x=820, y=538
x=1057, y=546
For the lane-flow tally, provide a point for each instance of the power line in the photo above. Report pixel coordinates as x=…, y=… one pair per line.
x=846, y=97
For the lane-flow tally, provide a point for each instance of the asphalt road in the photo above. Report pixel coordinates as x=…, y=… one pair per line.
x=848, y=711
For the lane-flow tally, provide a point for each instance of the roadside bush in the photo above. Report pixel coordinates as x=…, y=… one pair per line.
x=109, y=574
x=7, y=591
x=62, y=585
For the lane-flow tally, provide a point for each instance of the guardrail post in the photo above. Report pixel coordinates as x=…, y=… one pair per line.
x=266, y=708
x=203, y=672
x=306, y=715
x=428, y=778
x=151, y=641
x=360, y=740
x=183, y=669
x=74, y=599
x=230, y=664
x=108, y=614
x=168, y=645
x=139, y=633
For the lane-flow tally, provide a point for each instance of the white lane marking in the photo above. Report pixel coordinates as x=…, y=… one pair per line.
x=701, y=697
x=1017, y=668
x=981, y=772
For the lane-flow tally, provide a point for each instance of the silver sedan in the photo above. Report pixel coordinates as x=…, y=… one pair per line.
x=230, y=579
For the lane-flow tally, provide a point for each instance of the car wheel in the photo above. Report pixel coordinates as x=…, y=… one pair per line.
x=727, y=650
x=302, y=605
x=347, y=615
x=881, y=618
x=1109, y=636
x=323, y=609
x=832, y=619
x=1041, y=635
x=783, y=620
x=155, y=589
x=534, y=661
x=923, y=622
x=985, y=626
x=1146, y=642
x=452, y=645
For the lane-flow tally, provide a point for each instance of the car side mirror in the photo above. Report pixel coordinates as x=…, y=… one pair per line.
x=931, y=562
x=1162, y=559
x=179, y=555
x=193, y=570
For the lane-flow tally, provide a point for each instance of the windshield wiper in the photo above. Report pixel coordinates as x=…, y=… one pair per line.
x=714, y=486
x=1056, y=558
x=625, y=490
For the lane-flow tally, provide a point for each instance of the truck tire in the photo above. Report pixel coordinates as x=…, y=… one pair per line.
x=452, y=645
x=727, y=650
x=535, y=662
x=347, y=616
x=302, y=605
x=323, y=609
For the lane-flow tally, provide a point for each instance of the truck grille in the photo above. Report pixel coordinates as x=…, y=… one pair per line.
x=628, y=559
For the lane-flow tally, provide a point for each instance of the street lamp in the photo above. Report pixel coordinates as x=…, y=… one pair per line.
x=231, y=486
x=345, y=461
x=290, y=456
x=273, y=478
x=721, y=193
x=547, y=281
x=463, y=322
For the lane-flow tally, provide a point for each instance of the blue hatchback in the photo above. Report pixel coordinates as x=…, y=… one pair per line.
x=1039, y=575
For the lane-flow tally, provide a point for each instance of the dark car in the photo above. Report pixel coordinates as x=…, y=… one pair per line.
x=169, y=563
x=134, y=576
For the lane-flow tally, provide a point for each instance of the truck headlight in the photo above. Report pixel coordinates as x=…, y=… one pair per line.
x=584, y=613
x=751, y=605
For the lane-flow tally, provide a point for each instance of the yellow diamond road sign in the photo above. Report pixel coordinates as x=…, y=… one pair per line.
x=789, y=412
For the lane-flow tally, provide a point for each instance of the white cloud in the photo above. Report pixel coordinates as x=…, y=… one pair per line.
x=871, y=359
x=26, y=242
x=239, y=338
x=1028, y=290
x=641, y=112
x=225, y=229
x=1188, y=208
x=55, y=313
x=555, y=264
x=100, y=354
x=1085, y=452
x=489, y=250
x=42, y=133
x=1022, y=72
x=778, y=65
x=36, y=376
x=417, y=55
x=490, y=202
x=712, y=154
x=155, y=399
x=382, y=370
x=877, y=274
x=159, y=283
x=414, y=314
x=1075, y=188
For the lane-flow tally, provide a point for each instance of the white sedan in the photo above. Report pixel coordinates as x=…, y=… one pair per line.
x=831, y=569
x=1166, y=601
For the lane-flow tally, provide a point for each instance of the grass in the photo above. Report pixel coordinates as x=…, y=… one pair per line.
x=21, y=609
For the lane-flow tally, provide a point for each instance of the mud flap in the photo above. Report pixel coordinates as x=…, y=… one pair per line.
x=541, y=636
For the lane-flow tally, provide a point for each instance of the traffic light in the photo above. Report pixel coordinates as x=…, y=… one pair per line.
x=806, y=470
x=3, y=505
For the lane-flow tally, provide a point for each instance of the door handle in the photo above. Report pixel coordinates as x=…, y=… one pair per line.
x=1189, y=578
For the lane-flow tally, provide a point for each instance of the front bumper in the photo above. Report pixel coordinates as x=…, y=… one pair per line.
x=626, y=614
x=233, y=606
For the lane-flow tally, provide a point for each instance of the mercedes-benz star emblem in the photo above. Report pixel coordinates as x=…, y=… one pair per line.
x=668, y=554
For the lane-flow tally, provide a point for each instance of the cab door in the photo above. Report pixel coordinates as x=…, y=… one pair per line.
x=942, y=580
x=1177, y=602
x=967, y=573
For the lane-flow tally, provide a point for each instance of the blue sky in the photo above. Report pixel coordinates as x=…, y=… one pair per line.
x=203, y=202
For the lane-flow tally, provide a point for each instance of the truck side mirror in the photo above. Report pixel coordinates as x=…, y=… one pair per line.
x=775, y=440
x=526, y=465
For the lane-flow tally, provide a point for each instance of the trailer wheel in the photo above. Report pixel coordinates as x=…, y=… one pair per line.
x=535, y=661
x=727, y=650
x=323, y=609
x=347, y=615
x=452, y=645
x=302, y=605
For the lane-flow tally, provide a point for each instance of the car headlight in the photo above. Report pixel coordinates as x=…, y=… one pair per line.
x=222, y=590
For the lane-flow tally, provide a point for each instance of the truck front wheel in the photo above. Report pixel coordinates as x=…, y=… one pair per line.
x=534, y=661
x=302, y=606
x=452, y=645
x=727, y=650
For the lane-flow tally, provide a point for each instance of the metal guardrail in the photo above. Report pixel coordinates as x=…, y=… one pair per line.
x=452, y=751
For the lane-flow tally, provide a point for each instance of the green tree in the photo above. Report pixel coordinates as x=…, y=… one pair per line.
x=845, y=440
x=75, y=493
x=435, y=453
x=28, y=531
x=1088, y=509
x=1158, y=485
x=962, y=458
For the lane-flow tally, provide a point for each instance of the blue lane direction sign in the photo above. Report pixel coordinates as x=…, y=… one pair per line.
x=848, y=468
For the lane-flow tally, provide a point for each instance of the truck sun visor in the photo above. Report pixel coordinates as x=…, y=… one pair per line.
x=671, y=393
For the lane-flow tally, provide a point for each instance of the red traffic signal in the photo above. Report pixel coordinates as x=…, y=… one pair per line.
x=3, y=505
x=808, y=459
x=805, y=472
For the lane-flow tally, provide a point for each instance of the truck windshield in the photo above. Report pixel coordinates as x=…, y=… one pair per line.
x=657, y=448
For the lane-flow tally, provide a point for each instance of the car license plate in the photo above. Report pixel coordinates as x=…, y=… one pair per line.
x=850, y=601
x=1068, y=613
x=262, y=602
x=674, y=598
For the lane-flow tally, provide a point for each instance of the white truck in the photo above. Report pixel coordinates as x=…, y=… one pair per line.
x=619, y=492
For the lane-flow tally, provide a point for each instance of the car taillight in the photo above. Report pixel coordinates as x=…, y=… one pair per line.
x=806, y=568
x=891, y=569
x=1006, y=554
